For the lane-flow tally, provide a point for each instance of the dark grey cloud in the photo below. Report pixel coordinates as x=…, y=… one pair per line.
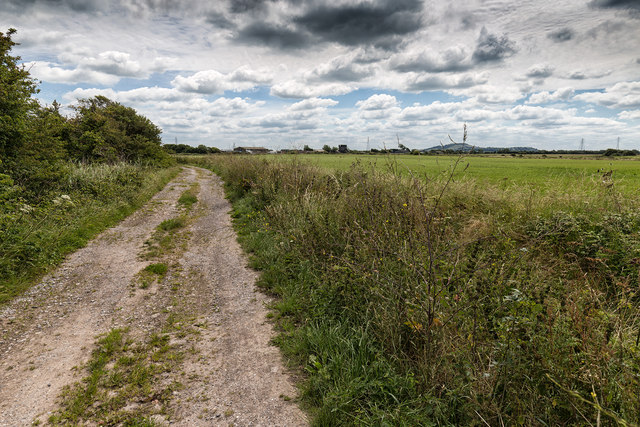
x=24, y=6
x=616, y=4
x=561, y=35
x=491, y=48
x=370, y=56
x=540, y=71
x=345, y=74
x=243, y=6
x=606, y=28
x=274, y=36
x=582, y=75
x=431, y=67
x=426, y=82
x=218, y=20
x=632, y=7
x=455, y=59
x=576, y=75
x=468, y=21
x=341, y=69
x=465, y=19
x=379, y=24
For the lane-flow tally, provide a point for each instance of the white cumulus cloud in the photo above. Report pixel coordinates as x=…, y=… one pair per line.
x=312, y=104
x=544, y=97
x=378, y=102
x=215, y=82
x=294, y=89
x=621, y=95
x=52, y=73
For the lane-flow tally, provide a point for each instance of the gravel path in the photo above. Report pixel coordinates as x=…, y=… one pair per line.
x=230, y=374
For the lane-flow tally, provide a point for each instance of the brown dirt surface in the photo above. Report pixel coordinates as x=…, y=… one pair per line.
x=207, y=303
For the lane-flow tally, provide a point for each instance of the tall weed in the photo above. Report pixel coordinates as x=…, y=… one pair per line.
x=439, y=301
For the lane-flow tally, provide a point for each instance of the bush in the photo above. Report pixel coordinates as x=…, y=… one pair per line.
x=107, y=131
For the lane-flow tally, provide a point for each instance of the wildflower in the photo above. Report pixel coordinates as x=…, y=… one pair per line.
x=594, y=395
x=63, y=200
x=415, y=326
x=404, y=204
x=24, y=208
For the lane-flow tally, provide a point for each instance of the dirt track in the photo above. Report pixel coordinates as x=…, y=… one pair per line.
x=230, y=373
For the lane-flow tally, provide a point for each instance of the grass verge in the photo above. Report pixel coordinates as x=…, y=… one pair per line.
x=36, y=238
x=406, y=301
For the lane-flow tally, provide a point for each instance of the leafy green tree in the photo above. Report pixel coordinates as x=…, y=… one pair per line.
x=31, y=146
x=107, y=131
x=202, y=149
x=16, y=103
x=40, y=161
x=188, y=149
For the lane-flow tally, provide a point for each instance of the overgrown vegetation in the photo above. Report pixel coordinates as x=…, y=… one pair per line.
x=413, y=301
x=64, y=179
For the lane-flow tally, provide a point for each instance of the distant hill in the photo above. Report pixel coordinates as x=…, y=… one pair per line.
x=465, y=148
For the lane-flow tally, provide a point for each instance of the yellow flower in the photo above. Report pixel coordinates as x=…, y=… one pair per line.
x=415, y=326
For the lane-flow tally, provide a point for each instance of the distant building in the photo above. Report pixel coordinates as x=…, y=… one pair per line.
x=251, y=150
x=399, y=151
x=342, y=148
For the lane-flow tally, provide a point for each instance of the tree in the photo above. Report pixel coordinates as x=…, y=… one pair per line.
x=39, y=162
x=16, y=104
x=107, y=131
x=188, y=149
x=31, y=146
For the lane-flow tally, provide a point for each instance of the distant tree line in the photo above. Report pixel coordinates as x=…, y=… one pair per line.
x=188, y=149
x=36, y=141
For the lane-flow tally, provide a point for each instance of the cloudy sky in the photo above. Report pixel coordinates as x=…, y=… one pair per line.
x=284, y=73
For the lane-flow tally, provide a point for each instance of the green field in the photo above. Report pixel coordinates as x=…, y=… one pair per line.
x=506, y=171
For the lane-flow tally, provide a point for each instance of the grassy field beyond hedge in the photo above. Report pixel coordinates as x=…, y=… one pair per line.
x=542, y=173
x=407, y=301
